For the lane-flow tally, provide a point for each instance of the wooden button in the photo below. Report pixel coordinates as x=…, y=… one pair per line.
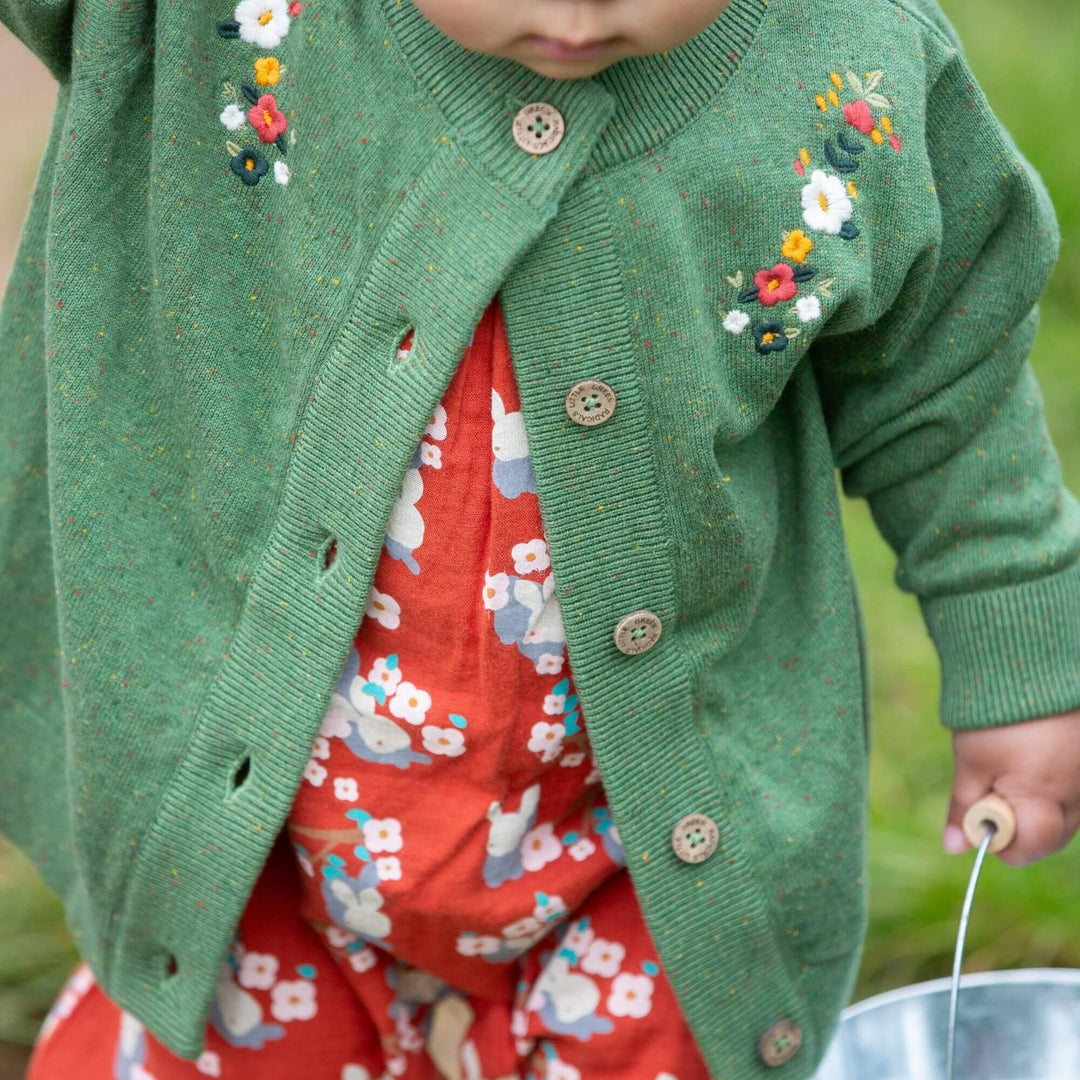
x=590, y=402
x=637, y=632
x=538, y=128
x=695, y=838
x=780, y=1043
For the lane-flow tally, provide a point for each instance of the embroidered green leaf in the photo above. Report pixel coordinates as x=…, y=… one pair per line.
x=823, y=288
x=233, y=148
x=791, y=332
x=854, y=82
x=229, y=88
x=736, y=281
x=292, y=136
x=873, y=80
x=879, y=101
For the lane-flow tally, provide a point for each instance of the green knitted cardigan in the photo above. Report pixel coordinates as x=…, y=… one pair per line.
x=800, y=240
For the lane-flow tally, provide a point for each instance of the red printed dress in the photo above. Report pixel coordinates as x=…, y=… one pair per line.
x=452, y=848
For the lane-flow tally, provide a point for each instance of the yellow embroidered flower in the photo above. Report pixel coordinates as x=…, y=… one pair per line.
x=267, y=70
x=821, y=103
x=834, y=99
x=797, y=246
x=835, y=79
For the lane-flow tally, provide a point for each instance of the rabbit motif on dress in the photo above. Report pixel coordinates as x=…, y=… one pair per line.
x=237, y=1017
x=531, y=618
x=508, y=829
x=511, y=470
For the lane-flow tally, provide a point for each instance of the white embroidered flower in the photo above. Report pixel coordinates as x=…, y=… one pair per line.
x=346, y=789
x=208, y=1063
x=530, y=558
x=578, y=937
x=282, y=172
x=389, y=868
x=521, y=928
x=477, y=944
x=263, y=22
x=581, y=849
x=603, y=958
x=549, y=664
x=436, y=426
x=809, y=308
x=546, y=739
x=382, y=834
x=574, y=759
x=314, y=773
x=430, y=454
x=321, y=748
x=381, y=675
x=540, y=846
x=293, y=1000
x=631, y=995
x=825, y=203
x=554, y=704
x=384, y=609
x=496, y=591
x=410, y=703
x=257, y=971
x=233, y=117
x=338, y=937
x=363, y=959
x=735, y=322
x=446, y=741
x=549, y=909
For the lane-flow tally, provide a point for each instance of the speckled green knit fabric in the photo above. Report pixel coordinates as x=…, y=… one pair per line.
x=800, y=240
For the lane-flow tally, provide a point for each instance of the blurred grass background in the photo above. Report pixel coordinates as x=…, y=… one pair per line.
x=1025, y=56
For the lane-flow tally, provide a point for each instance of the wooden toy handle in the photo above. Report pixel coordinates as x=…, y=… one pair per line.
x=992, y=808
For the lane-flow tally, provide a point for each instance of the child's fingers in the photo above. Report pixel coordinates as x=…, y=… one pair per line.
x=969, y=785
x=1041, y=829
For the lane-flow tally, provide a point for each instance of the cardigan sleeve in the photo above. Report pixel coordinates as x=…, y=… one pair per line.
x=44, y=26
x=936, y=417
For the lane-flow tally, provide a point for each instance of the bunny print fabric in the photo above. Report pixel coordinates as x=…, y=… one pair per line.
x=450, y=897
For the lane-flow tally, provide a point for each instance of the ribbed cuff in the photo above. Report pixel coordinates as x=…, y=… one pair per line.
x=1008, y=654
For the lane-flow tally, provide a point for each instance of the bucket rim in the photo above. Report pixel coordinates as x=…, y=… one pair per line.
x=1017, y=977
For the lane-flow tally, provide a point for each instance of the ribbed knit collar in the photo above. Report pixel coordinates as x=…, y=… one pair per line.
x=644, y=99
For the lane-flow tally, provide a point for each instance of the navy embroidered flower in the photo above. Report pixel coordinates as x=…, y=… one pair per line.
x=249, y=165
x=770, y=337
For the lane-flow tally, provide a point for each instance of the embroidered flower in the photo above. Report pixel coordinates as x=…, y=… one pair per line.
x=775, y=285
x=389, y=868
x=384, y=609
x=770, y=337
x=430, y=454
x=539, y=847
x=293, y=1000
x=797, y=246
x=281, y=172
x=263, y=22
x=314, y=773
x=581, y=849
x=736, y=322
x=382, y=834
x=257, y=971
x=546, y=739
x=603, y=958
x=232, y=116
x=249, y=165
x=363, y=959
x=381, y=674
x=446, y=741
x=825, y=203
x=554, y=704
x=530, y=558
x=410, y=703
x=859, y=116
x=809, y=308
x=548, y=664
x=346, y=789
x=321, y=748
x=267, y=119
x=295, y=8
x=208, y=1063
x=496, y=591
x=267, y=70
x=631, y=995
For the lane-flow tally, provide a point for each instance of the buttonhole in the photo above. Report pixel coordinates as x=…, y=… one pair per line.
x=170, y=966
x=241, y=772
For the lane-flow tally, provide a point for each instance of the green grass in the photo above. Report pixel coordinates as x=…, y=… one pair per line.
x=1024, y=55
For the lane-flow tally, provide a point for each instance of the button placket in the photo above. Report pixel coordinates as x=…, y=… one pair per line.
x=637, y=632
x=590, y=402
x=695, y=837
x=780, y=1043
x=538, y=128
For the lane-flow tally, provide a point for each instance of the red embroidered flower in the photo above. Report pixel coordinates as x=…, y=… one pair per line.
x=295, y=8
x=267, y=119
x=894, y=142
x=859, y=116
x=775, y=285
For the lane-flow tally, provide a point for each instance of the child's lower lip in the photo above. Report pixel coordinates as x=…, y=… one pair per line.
x=559, y=50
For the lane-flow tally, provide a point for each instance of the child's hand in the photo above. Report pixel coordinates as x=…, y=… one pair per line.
x=1036, y=767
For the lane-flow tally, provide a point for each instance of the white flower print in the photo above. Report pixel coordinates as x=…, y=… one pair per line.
x=384, y=609
x=410, y=703
x=571, y=760
x=496, y=591
x=305, y=864
x=314, y=773
x=531, y=557
x=550, y=909
x=613, y=832
x=581, y=849
x=334, y=725
x=631, y=995
x=389, y=867
x=561, y=1070
x=477, y=944
x=546, y=739
x=233, y=117
x=346, y=789
x=381, y=675
x=554, y=704
x=81, y=980
x=339, y=937
x=578, y=938
x=409, y=1037
x=208, y=1063
x=355, y=1072
x=430, y=454
x=263, y=22
x=735, y=322
x=524, y=1047
x=382, y=834
x=257, y=971
x=137, y=1072
x=666, y=1076
x=282, y=172
x=540, y=846
x=363, y=959
x=825, y=203
x=603, y=958
x=521, y=928
x=436, y=426
x=447, y=741
x=321, y=748
x=547, y=663
x=293, y=1000
x=809, y=308
x=519, y=1023
x=396, y=1066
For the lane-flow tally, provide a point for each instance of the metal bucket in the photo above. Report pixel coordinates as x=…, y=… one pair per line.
x=1014, y=1025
